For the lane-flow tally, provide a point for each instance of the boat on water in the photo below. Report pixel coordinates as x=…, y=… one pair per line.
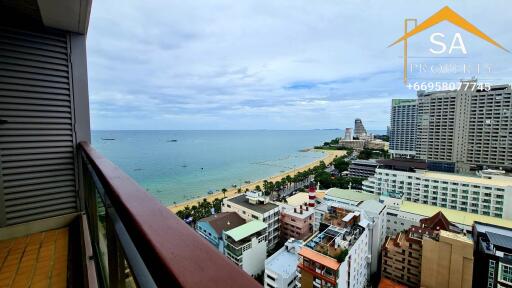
x=210, y=192
x=172, y=140
x=234, y=185
x=247, y=181
x=108, y=139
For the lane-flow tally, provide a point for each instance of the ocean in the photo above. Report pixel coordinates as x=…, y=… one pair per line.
x=175, y=166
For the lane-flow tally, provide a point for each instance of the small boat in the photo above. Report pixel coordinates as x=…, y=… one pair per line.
x=173, y=140
x=234, y=185
x=247, y=181
x=184, y=166
x=108, y=139
x=210, y=192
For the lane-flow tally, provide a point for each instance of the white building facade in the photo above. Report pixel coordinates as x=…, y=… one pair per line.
x=488, y=195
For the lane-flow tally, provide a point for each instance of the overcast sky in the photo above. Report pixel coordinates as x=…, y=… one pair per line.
x=261, y=64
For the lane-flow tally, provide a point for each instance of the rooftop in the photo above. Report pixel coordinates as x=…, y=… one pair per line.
x=224, y=221
x=500, y=240
x=301, y=211
x=246, y=229
x=303, y=197
x=494, y=181
x=284, y=261
x=260, y=208
x=351, y=194
x=455, y=216
x=456, y=236
x=319, y=258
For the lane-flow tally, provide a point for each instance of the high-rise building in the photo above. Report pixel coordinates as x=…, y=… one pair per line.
x=492, y=250
x=359, y=130
x=469, y=129
x=348, y=134
x=402, y=131
x=254, y=205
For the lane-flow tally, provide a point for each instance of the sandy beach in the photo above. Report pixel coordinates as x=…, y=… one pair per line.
x=329, y=156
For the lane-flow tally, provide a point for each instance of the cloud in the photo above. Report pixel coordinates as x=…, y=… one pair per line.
x=254, y=64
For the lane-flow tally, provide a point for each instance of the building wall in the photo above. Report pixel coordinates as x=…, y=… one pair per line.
x=44, y=100
x=447, y=262
x=296, y=227
x=206, y=231
x=402, y=263
x=483, y=199
x=253, y=259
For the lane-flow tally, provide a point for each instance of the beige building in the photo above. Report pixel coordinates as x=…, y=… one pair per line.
x=464, y=127
x=402, y=254
x=447, y=261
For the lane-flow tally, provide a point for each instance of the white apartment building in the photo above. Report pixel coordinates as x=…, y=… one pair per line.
x=246, y=246
x=483, y=194
x=254, y=205
x=368, y=206
x=281, y=268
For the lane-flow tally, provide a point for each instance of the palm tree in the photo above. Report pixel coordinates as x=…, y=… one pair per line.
x=224, y=190
x=258, y=188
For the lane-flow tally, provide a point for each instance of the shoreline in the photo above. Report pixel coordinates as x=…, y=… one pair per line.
x=329, y=156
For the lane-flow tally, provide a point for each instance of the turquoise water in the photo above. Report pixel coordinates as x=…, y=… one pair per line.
x=200, y=161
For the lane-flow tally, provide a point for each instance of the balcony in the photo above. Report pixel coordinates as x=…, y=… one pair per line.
x=68, y=216
x=123, y=238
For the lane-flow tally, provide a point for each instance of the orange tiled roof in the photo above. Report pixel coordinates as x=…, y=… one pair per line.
x=320, y=258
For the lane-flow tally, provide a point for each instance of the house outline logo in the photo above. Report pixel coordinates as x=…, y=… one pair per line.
x=445, y=14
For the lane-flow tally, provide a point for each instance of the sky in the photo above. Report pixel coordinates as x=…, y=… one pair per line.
x=265, y=64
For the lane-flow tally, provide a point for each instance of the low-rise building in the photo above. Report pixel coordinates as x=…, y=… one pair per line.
x=484, y=194
x=402, y=253
x=447, y=261
x=493, y=260
x=246, y=246
x=281, y=267
x=296, y=222
x=362, y=168
x=254, y=205
x=211, y=227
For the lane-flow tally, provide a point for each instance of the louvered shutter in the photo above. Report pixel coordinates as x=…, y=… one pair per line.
x=37, y=146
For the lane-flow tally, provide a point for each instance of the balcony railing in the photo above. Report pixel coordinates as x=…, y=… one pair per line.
x=138, y=242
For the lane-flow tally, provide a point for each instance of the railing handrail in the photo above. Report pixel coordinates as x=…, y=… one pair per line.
x=175, y=255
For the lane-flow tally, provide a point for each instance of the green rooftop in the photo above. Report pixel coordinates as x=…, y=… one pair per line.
x=454, y=216
x=245, y=230
x=351, y=195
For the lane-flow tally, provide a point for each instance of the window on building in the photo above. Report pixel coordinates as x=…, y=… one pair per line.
x=505, y=273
